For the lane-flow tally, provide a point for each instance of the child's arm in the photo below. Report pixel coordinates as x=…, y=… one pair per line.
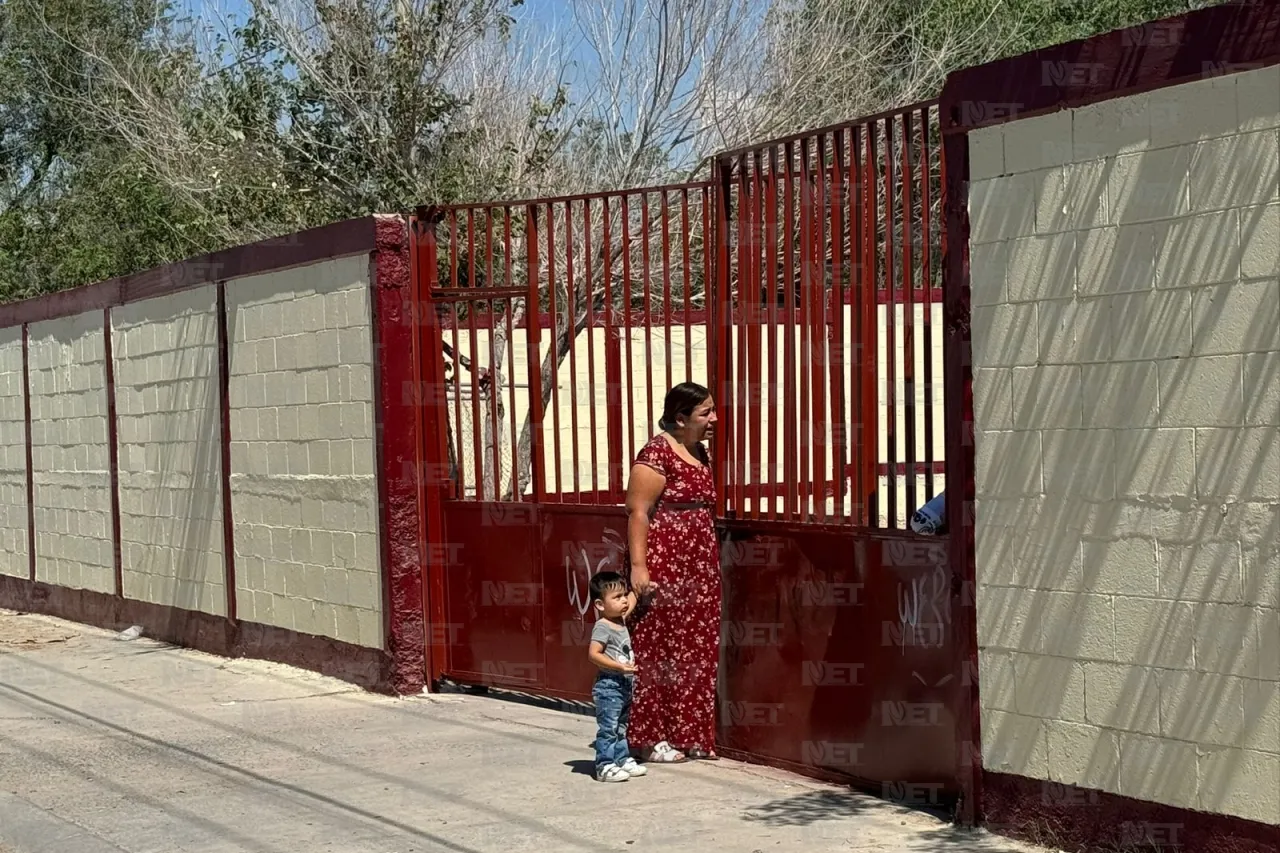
x=595, y=654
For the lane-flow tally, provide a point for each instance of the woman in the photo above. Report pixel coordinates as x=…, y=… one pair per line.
x=675, y=570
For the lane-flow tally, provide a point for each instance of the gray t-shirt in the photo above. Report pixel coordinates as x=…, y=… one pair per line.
x=616, y=640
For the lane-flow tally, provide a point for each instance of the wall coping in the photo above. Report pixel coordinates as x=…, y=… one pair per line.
x=327, y=242
x=1243, y=35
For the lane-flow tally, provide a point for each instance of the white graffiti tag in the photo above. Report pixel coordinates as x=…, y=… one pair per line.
x=609, y=550
x=911, y=602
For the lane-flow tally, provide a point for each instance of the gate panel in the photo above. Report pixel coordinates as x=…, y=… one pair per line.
x=838, y=665
x=494, y=594
x=829, y=323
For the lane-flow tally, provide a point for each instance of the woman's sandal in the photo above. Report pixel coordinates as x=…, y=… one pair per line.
x=699, y=754
x=662, y=753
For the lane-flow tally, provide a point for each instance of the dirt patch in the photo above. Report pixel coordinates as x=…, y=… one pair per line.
x=19, y=630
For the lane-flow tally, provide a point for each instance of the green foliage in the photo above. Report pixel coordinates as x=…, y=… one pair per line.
x=126, y=143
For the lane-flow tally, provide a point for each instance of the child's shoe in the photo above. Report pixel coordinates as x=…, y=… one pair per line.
x=612, y=773
x=633, y=768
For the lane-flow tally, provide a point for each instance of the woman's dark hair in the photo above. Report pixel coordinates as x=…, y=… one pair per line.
x=682, y=400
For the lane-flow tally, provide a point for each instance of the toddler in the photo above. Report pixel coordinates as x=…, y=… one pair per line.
x=610, y=651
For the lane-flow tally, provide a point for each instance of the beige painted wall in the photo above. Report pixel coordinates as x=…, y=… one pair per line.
x=1125, y=263
x=304, y=496
x=169, y=434
x=69, y=452
x=13, y=457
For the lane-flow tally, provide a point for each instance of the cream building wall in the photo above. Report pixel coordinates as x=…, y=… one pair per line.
x=169, y=431
x=303, y=492
x=13, y=457
x=70, y=452
x=1125, y=271
x=304, y=497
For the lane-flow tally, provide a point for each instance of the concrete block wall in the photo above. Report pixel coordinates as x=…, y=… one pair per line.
x=70, y=455
x=304, y=493
x=13, y=457
x=1125, y=272
x=169, y=428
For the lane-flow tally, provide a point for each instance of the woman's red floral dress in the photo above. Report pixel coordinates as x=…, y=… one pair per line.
x=676, y=634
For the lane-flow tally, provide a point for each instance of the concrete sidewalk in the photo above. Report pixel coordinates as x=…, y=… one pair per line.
x=110, y=745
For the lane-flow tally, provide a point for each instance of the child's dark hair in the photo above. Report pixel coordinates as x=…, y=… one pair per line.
x=603, y=582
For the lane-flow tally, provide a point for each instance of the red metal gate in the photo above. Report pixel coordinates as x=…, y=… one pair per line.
x=800, y=284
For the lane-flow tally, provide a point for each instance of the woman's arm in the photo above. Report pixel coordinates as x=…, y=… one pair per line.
x=643, y=491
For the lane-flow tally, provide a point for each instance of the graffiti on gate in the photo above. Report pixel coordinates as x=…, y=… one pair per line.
x=582, y=560
x=913, y=597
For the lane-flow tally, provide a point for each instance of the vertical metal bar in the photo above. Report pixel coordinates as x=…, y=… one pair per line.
x=818, y=337
x=869, y=306
x=908, y=321
x=517, y=493
x=708, y=263
x=739, y=308
x=688, y=284
x=789, y=426
x=495, y=390
x=533, y=330
x=666, y=283
x=591, y=349
x=453, y=248
x=808, y=368
x=771, y=480
x=553, y=307
x=891, y=311
x=835, y=335
x=612, y=365
x=721, y=301
x=460, y=475
x=926, y=274
x=648, y=308
x=863, y=439
x=754, y=315
x=571, y=307
x=477, y=440
x=628, y=364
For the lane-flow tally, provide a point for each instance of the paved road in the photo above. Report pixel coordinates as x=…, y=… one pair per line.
x=112, y=746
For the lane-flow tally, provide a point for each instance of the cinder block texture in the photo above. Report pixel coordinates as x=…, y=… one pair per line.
x=1126, y=356
x=70, y=459
x=14, y=554
x=169, y=431
x=304, y=494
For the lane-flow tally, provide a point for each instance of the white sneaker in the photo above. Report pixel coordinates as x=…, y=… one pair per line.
x=612, y=773
x=633, y=768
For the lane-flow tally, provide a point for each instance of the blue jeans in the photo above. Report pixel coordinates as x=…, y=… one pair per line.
x=612, y=696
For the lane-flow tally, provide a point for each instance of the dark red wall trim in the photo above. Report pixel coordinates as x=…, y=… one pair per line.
x=224, y=404
x=113, y=453
x=352, y=237
x=1179, y=49
x=958, y=413
x=1082, y=819
x=398, y=450
x=368, y=668
x=31, y=482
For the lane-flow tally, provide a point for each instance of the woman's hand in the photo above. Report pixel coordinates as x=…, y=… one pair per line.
x=640, y=582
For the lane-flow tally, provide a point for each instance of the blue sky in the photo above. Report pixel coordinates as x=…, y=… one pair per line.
x=533, y=15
